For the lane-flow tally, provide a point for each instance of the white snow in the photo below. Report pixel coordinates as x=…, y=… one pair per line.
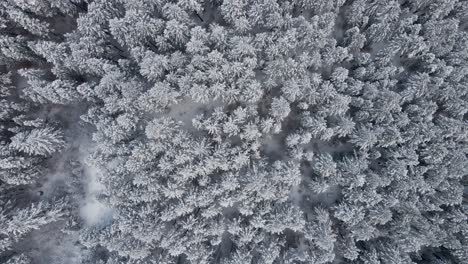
x=93, y=211
x=187, y=110
x=92, y=173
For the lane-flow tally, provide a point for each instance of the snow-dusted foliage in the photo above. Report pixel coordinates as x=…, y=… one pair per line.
x=236, y=131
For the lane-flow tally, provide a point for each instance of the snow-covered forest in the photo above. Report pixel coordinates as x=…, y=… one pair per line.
x=233, y=131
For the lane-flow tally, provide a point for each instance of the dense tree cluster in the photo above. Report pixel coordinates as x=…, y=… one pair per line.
x=238, y=131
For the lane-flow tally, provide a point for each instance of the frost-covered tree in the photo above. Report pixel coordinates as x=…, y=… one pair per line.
x=241, y=131
x=41, y=142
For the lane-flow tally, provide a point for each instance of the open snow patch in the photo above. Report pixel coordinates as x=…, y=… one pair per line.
x=95, y=213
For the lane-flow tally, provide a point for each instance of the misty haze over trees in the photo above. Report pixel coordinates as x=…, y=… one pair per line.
x=233, y=131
